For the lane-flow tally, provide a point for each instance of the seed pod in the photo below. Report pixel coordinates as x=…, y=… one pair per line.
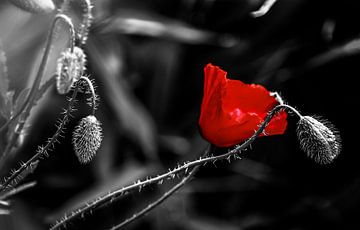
x=35, y=6
x=70, y=67
x=319, y=139
x=87, y=138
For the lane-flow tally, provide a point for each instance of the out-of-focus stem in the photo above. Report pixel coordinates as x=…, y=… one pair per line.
x=25, y=109
x=43, y=150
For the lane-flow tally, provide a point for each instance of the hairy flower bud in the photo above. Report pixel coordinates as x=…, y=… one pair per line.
x=70, y=67
x=35, y=6
x=87, y=138
x=318, y=139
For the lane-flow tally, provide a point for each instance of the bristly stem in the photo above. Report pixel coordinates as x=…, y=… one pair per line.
x=92, y=91
x=43, y=150
x=292, y=109
x=25, y=109
x=17, y=190
x=166, y=195
x=113, y=195
x=158, y=201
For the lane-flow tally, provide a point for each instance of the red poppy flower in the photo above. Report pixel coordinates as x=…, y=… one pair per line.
x=231, y=111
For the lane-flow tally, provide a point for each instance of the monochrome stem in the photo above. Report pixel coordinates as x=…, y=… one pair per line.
x=92, y=90
x=43, y=150
x=28, y=104
x=115, y=194
x=158, y=201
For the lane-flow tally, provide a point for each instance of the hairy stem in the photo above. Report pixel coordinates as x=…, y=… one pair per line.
x=166, y=195
x=28, y=104
x=17, y=190
x=43, y=150
x=92, y=91
x=113, y=195
x=158, y=201
x=43, y=88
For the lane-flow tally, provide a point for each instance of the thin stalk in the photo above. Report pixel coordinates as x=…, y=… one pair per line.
x=113, y=195
x=93, y=95
x=17, y=190
x=43, y=151
x=158, y=201
x=28, y=104
x=292, y=109
x=43, y=88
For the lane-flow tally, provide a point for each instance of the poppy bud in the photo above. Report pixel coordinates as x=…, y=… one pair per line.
x=318, y=139
x=70, y=67
x=35, y=6
x=87, y=138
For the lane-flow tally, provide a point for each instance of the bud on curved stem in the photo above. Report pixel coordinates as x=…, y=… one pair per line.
x=43, y=64
x=319, y=139
x=86, y=18
x=70, y=67
x=42, y=150
x=87, y=135
x=28, y=104
x=87, y=138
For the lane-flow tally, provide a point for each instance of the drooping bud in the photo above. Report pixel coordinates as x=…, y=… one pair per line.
x=319, y=139
x=70, y=67
x=87, y=138
x=35, y=6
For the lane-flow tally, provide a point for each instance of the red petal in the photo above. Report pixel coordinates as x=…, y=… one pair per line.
x=232, y=133
x=214, y=82
x=214, y=89
x=232, y=111
x=277, y=125
x=250, y=98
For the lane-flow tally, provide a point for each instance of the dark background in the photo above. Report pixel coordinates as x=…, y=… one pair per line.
x=147, y=59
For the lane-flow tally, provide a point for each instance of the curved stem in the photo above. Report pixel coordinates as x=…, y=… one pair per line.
x=292, y=109
x=72, y=33
x=44, y=62
x=43, y=88
x=266, y=6
x=112, y=195
x=43, y=150
x=93, y=95
x=28, y=104
x=85, y=21
x=158, y=201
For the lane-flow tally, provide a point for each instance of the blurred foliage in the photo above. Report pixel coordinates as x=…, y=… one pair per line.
x=147, y=59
